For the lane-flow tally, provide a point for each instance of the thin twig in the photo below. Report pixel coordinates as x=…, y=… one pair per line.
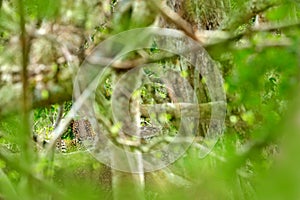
x=25, y=46
x=25, y=137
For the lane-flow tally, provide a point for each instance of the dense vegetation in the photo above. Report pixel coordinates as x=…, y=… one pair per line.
x=47, y=50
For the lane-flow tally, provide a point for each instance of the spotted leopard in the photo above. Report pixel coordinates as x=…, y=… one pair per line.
x=78, y=132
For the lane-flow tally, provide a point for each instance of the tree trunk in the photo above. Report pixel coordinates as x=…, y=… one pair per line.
x=128, y=184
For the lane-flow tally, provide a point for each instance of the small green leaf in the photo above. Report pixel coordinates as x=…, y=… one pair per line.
x=248, y=117
x=233, y=119
x=45, y=94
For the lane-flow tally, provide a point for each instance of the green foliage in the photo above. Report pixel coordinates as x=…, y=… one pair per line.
x=256, y=158
x=207, y=14
x=42, y=9
x=132, y=14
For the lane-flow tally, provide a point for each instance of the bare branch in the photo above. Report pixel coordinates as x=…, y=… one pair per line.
x=174, y=18
x=202, y=111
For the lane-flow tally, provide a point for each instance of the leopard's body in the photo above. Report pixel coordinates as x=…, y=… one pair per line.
x=81, y=131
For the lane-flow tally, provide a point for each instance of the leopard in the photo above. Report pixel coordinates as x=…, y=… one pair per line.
x=78, y=132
